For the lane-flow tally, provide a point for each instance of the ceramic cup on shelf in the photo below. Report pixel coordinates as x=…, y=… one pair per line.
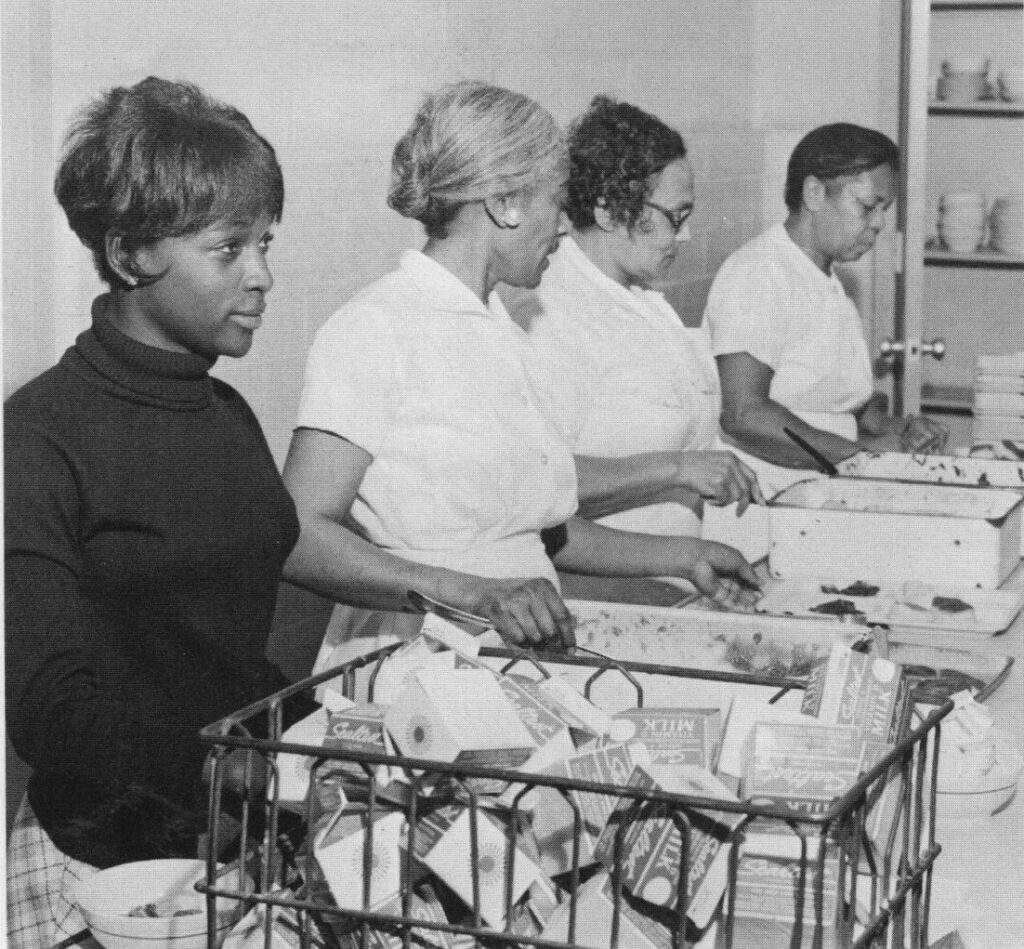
x=964, y=79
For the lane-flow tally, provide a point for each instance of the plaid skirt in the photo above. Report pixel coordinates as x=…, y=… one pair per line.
x=40, y=886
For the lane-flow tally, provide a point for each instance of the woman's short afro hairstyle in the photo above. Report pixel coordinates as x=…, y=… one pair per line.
x=161, y=159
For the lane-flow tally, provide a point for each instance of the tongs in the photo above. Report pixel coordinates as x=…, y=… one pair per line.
x=823, y=463
x=427, y=604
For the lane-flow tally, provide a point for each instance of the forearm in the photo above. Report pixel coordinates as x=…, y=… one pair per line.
x=602, y=551
x=758, y=429
x=79, y=706
x=610, y=485
x=334, y=562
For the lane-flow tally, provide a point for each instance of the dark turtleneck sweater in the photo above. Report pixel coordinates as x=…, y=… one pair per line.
x=146, y=528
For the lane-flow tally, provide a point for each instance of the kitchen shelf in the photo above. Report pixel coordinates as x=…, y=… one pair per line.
x=950, y=145
x=983, y=107
x=947, y=400
x=978, y=4
x=985, y=259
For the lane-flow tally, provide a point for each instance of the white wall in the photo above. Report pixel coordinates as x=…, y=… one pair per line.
x=332, y=83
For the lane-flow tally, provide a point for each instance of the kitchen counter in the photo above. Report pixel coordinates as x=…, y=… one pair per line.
x=978, y=884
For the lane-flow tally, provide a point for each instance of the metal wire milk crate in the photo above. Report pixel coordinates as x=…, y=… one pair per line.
x=849, y=884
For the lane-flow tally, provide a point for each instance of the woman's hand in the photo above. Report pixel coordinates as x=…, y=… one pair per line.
x=525, y=612
x=723, y=575
x=720, y=478
x=923, y=435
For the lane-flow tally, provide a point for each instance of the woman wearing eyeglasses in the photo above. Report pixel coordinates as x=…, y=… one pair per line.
x=634, y=391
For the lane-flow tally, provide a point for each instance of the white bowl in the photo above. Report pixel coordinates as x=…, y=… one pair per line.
x=107, y=897
x=972, y=805
x=961, y=245
x=978, y=778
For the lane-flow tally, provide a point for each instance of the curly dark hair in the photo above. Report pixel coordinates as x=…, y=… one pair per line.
x=614, y=150
x=161, y=159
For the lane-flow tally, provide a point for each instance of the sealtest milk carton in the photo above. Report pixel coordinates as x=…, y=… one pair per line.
x=459, y=716
x=399, y=669
x=674, y=736
x=768, y=902
x=553, y=820
x=342, y=847
x=802, y=767
x=550, y=730
x=652, y=842
x=360, y=729
x=294, y=770
x=855, y=689
x=286, y=929
x=423, y=905
x=442, y=843
x=640, y=926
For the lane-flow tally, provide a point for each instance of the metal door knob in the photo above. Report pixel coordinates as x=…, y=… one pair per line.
x=889, y=349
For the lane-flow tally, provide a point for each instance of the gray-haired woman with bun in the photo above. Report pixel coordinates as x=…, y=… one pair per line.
x=421, y=459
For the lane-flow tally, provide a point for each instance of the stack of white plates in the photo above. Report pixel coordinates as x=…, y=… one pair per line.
x=1006, y=226
x=999, y=398
x=962, y=221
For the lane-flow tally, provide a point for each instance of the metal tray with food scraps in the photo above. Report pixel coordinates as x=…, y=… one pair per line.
x=913, y=604
x=781, y=647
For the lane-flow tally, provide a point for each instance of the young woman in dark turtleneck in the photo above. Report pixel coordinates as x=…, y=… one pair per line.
x=146, y=523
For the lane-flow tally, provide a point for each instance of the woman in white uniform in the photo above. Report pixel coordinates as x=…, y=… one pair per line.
x=634, y=390
x=421, y=459
x=789, y=343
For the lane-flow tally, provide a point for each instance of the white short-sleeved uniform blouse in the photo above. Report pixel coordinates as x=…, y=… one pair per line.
x=619, y=374
x=769, y=299
x=466, y=470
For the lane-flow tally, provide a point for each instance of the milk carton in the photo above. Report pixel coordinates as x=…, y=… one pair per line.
x=769, y=905
x=652, y=842
x=640, y=926
x=675, y=736
x=853, y=688
x=553, y=817
x=802, y=767
x=399, y=670
x=458, y=716
x=342, y=848
x=442, y=842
